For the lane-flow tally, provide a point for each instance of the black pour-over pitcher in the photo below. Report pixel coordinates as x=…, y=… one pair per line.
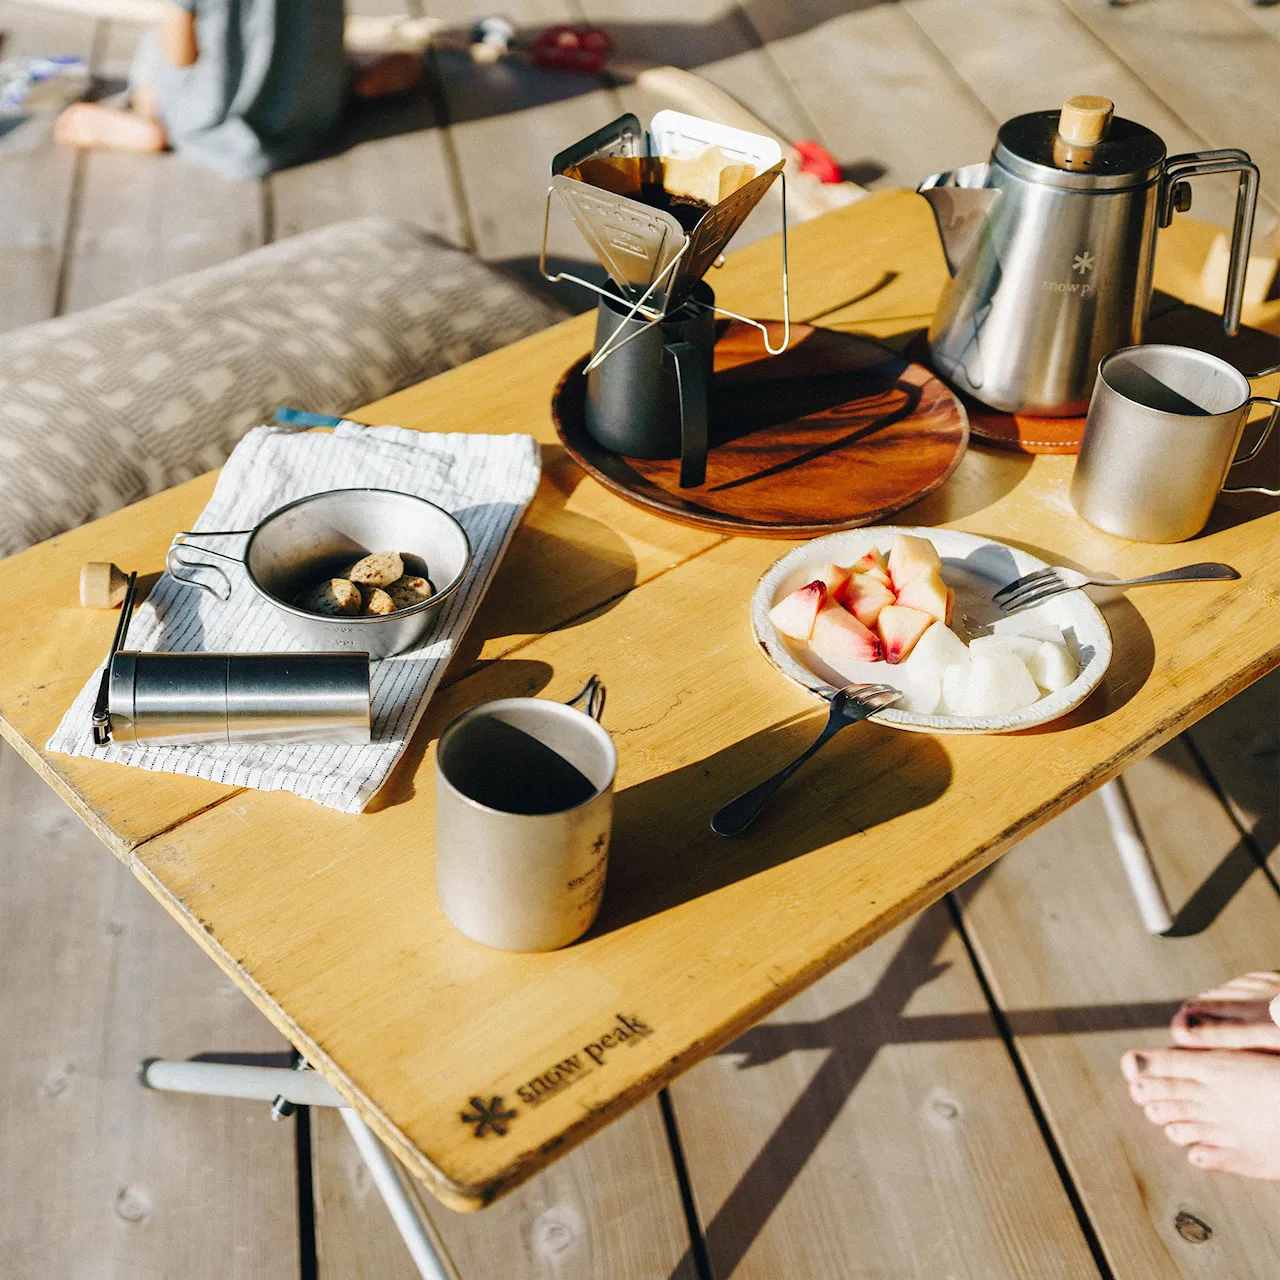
x=649, y=397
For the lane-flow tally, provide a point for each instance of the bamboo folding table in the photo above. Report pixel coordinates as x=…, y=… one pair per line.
x=476, y=1067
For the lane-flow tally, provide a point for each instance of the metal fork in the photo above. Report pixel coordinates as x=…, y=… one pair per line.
x=1034, y=587
x=852, y=703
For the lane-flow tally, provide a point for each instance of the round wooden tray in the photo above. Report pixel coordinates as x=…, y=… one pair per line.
x=836, y=432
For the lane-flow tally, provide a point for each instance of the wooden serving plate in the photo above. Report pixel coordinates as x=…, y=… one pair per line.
x=836, y=432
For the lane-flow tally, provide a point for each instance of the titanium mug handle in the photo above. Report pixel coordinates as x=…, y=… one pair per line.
x=1257, y=446
x=174, y=561
x=591, y=695
x=692, y=385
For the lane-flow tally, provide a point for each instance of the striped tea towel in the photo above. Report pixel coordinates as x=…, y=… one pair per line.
x=486, y=481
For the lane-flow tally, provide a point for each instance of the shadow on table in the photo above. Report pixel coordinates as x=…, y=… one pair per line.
x=664, y=853
x=560, y=567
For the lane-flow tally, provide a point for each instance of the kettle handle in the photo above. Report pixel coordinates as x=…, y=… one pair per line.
x=1173, y=196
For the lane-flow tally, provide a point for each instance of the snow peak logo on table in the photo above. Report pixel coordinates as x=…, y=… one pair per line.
x=493, y=1117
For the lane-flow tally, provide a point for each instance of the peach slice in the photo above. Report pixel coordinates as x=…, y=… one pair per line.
x=928, y=593
x=900, y=627
x=794, y=614
x=865, y=596
x=909, y=557
x=835, y=579
x=839, y=637
x=951, y=606
x=874, y=564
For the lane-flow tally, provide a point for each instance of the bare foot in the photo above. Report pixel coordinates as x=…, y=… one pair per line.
x=87, y=124
x=1223, y=1104
x=1236, y=1015
x=395, y=73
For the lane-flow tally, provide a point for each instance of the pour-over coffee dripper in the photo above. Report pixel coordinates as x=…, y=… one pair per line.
x=658, y=209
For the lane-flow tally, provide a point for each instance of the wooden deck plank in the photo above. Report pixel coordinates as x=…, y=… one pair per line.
x=506, y=123
x=1210, y=64
x=146, y=218
x=884, y=98
x=100, y=1177
x=885, y=1086
x=36, y=186
x=1080, y=981
x=612, y=1208
x=1240, y=746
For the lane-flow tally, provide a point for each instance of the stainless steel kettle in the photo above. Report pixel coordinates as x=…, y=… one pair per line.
x=1051, y=245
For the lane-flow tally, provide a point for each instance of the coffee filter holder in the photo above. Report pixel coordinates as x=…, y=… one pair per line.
x=647, y=254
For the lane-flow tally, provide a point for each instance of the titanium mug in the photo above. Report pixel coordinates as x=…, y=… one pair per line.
x=1163, y=428
x=649, y=397
x=524, y=808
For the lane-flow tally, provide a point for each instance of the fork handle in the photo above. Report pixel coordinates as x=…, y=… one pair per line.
x=735, y=817
x=1210, y=571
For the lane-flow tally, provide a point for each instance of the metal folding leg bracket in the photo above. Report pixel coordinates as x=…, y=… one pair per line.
x=287, y=1088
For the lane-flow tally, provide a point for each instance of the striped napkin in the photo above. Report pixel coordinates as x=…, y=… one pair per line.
x=486, y=481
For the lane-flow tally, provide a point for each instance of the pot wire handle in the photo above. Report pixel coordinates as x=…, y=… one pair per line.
x=592, y=696
x=174, y=561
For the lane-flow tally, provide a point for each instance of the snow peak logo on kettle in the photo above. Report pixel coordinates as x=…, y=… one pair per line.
x=492, y=1116
x=1082, y=266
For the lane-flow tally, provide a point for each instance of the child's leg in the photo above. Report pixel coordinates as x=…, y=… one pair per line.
x=89, y=124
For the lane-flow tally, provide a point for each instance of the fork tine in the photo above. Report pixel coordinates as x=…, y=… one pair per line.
x=1034, y=596
x=1020, y=584
x=1051, y=581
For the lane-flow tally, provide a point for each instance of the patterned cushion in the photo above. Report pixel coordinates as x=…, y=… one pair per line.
x=104, y=407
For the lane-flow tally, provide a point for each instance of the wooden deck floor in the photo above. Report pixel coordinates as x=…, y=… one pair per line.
x=945, y=1105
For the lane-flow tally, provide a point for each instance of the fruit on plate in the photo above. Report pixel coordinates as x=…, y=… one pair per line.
x=900, y=627
x=1052, y=666
x=839, y=637
x=998, y=683
x=928, y=593
x=835, y=579
x=909, y=557
x=794, y=614
x=865, y=596
x=875, y=564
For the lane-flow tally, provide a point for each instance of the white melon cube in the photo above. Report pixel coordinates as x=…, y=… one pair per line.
x=936, y=650
x=920, y=694
x=1018, y=625
x=1023, y=646
x=999, y=682
x=955, y=679
x=1052, y=666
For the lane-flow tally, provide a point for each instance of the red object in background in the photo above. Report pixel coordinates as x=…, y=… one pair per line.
x=817, y=160
x=566, y=48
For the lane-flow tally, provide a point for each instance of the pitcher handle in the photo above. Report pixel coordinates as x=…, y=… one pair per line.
x=1257, y=446
x=691, y=382
x=1197, y=164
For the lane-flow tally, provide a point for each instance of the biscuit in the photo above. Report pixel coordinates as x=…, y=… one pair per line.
x=335, y=596
x=375, y=602
x=410, y=590
x=378, y=569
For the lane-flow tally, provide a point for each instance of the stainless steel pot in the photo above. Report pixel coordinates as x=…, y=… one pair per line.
x=313, y=537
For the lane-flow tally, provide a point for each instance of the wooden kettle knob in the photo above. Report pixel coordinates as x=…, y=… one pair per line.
x=102, y=585
x=1085, y=119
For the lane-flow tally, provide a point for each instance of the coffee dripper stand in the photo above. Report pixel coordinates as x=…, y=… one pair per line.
x=616, y=225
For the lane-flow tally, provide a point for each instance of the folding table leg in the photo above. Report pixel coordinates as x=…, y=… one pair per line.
x=1135, y=857
x=284, y=1085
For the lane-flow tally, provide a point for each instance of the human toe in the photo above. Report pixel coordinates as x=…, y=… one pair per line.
x=1173, y=1110
x=1184, y=1133
x=1144, y=1089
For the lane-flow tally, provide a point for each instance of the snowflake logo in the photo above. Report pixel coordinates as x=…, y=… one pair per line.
x=488, y=1117
x=1083, y=262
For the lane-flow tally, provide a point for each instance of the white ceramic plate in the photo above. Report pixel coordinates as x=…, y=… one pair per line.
x=975, y=568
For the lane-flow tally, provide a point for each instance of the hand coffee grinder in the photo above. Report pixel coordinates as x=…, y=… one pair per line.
x=658, y=208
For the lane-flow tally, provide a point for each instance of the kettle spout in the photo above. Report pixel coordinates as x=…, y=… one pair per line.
x=960, y=205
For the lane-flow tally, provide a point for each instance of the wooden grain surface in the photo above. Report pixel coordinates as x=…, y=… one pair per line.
x=833, y=433
x=885, y=1087
x=1074, y=1009
x=699, y=939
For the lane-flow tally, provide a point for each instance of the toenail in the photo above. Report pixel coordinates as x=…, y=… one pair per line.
x=1141, y=1061
x=1193, y=1020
